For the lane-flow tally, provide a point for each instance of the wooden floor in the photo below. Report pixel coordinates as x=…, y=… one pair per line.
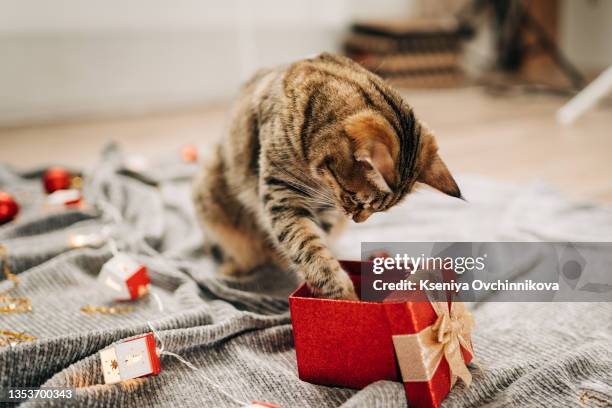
x=511, y=138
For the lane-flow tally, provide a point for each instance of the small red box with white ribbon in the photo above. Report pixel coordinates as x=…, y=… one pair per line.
x=123, y=278
x=129, y=359
x=60, y=198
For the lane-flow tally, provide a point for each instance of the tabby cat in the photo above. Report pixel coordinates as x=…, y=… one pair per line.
x=310, y=145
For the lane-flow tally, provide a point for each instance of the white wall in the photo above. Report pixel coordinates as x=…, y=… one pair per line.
x=586, y=33
x=74, y=58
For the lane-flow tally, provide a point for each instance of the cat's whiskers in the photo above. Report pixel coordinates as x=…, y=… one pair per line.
x=315, y=196
x=318, y=193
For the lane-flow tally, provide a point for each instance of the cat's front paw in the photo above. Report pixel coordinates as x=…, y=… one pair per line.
x=340, y=288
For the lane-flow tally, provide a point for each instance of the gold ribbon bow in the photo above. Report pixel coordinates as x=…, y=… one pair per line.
x=420, y=354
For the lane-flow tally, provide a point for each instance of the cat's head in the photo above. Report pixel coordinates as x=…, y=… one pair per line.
x=381, y=163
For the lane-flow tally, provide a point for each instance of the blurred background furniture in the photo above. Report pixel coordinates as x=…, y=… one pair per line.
x=412, y=52
x=587, y=98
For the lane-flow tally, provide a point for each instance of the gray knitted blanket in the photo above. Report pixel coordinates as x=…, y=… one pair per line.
x=238, y=333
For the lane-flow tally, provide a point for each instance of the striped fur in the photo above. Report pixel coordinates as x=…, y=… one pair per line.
x=310, y=145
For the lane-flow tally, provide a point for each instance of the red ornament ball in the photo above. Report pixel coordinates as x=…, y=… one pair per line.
x=56, y=178
x=8, y=208
x=189, y=153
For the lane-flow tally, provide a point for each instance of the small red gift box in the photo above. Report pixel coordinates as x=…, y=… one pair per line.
x=351, y=343
x=129, y=359
x=68, y=198
x=124, y=279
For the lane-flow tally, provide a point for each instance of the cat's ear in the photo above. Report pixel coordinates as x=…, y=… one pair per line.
x=437, y=175
x=433, y=170
x=375, y=146
x=380, y=164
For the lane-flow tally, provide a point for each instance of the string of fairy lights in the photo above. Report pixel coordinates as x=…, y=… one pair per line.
x=121, y=278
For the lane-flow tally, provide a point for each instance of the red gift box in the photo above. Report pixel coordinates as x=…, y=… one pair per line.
x=134, y=358
x=68, y=198
x=351, y=343
x=123, y=278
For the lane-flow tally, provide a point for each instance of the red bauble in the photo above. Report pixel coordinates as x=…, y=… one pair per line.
x=189, y=153
x=8, y=207
x=56, y=178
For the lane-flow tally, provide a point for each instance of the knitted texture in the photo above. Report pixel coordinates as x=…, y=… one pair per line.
x=238, y=332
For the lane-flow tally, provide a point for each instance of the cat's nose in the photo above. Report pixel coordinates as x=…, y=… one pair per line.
x=361, y=216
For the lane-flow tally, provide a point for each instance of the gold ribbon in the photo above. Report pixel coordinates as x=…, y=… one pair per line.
x=10, y=338
x=15, y=304
x=7, y=272
x=420, y=354
x=111, y=310
x=11, y=304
